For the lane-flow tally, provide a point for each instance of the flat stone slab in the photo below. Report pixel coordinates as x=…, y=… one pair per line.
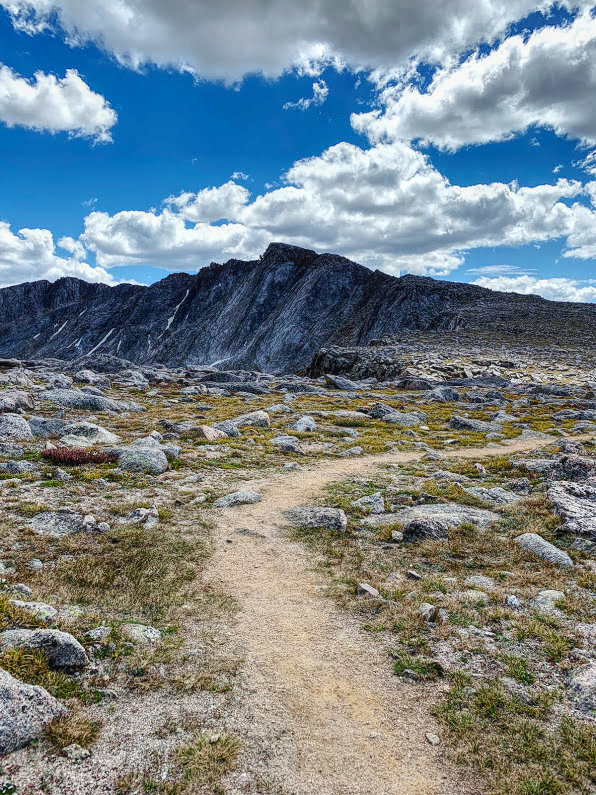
x=575, y=503
x=451, y=514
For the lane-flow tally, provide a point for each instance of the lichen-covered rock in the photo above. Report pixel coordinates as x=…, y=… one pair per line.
x=575, y=503
x=288, y=444
x=541, y=548
x=255, y=419
x=47, y=427
x=425, y=528
x=305, y=424
x=38, y=610
x=242, y=497
x=61, y=649
x=374, y=504
x=141, y=634
x=62, y=523
x=143, y=459
x=14, y=400
x=582, y=688
x=327, y=518
x=13, y=426
x=25, y=711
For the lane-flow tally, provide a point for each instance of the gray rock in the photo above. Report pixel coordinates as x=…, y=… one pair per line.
x=327, y=518
x=582, y=688
x=540, y=548
x=141, y=634
x=427, y=612
x=62, y=523
x=25, y=711
x=18, y=467
x=143, y=459
x=496, y=495
x=547, y=600
x=92, y=432
x=47, y=427
x=425, y=528
x=450, y=514
x=305, y=424
x=148, y=517
x=514, y=602
x=99, y=633
x=39, y=610
x=468, y=424
x=374, y=504
x=14, y=400
x=227, y=427
x=480, y=581
x=367, y=590
x=13, y=426
x=403, y=419
x=380, y=410
x=60, y=649
x=242, y=497
x=255, y=419
x=77, y=399
x=288, y=444
x=443, y=394
x=339, y=382
x=11, y=450
x=575, y=503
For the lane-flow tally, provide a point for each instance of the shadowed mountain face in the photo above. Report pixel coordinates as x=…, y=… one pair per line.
x=272, y=314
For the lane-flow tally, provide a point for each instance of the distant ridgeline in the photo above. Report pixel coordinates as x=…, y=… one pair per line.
x=272, y=314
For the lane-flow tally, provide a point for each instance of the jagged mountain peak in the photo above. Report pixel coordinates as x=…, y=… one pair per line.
x=273, y=313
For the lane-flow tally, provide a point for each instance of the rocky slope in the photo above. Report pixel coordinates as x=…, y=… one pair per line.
x=273, y=314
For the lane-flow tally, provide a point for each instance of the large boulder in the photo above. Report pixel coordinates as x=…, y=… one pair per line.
x=13, y=426
x=339, y=382
x=288, y=444
x=443, y=394
x=60, y=649
x=541, y=548
x=47, y=427
x=327, y=518
x=452, y=514
x=575, y=504
x=92, y=432
x=305, y=424
x=25, y=711
x=83, y=399
x=15, y=400
x=458, y=423
x=255, y=419
x=143, y=459
x=424, y=529
x=65, y=522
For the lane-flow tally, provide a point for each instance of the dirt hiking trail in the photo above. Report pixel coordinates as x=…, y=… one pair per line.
x=317, y=691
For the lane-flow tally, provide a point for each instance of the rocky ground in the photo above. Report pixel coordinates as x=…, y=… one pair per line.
x=233, y=582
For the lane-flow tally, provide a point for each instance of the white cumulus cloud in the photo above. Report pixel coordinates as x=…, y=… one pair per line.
x=231, y=38
x=387, y=207
x=31, y=254
x=556, y=289
x=547, y=79
x=54, y=104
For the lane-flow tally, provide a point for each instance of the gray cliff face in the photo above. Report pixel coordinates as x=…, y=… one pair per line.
x=272, y=314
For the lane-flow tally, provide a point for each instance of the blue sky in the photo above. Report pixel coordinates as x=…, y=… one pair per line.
x=155, y=157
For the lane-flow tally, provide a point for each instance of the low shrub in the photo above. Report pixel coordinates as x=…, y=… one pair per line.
x=75, y=456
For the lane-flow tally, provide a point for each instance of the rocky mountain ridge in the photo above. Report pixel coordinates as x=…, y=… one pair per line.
x=272, y=314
